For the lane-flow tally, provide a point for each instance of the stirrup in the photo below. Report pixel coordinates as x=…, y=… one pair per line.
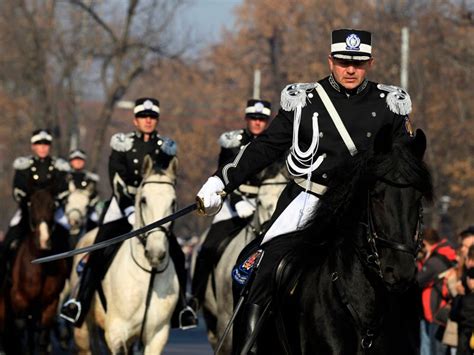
x=180, y=316
x=78, y=313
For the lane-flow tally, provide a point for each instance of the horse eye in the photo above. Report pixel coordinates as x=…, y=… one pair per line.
x=143, y=201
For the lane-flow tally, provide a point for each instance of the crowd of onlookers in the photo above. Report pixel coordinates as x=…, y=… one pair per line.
x=446, y=279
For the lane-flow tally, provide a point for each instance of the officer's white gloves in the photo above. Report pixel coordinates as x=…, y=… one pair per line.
x=244, y=209
x=210, y=197
x=130, y=213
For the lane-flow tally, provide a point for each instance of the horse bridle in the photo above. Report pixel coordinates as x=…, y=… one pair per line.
x=374, y=239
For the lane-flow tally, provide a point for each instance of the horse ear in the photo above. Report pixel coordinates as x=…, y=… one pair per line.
x=383, y=140
x=147, y=166
x=419, y=144
x=71, y=186
x=172, y=168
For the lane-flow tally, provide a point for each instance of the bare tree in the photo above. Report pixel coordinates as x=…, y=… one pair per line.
x=132, y=41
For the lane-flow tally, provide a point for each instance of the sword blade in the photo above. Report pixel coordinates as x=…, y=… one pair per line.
x=120, y=238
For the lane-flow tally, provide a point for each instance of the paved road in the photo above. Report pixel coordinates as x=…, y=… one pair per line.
x=189, y=342
x=181, y=342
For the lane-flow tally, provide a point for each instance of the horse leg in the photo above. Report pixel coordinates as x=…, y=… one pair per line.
x=82, y=340
x=158, y=341
x=117, y=334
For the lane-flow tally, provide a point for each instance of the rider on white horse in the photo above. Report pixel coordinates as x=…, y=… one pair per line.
x=125, y=164
x=82, y=180
x=238, y=209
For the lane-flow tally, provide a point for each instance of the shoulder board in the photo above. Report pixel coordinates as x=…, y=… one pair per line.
x=294, y=95
x=122, y=142
x=231, y=139
x=398, y=100
x=92, y=176
x=22, y=163
x=61, y=164
x=167, y=145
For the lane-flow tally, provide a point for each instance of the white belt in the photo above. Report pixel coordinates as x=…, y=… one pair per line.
x=313, y=186
x=248, y=189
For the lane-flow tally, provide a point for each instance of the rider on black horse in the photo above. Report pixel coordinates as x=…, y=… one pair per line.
x=322, y=124
x=125, y=162
x=32, y=173
x=238, y=209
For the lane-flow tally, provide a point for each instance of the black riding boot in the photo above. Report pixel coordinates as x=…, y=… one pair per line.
x=75, y=310
x=184, y=317
x=247, y=326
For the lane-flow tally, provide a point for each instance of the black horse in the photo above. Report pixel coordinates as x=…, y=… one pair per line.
x=351, y=288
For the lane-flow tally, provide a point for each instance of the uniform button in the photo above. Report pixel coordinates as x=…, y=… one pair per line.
x=321, y=134
x=374, y=114
x=160, y=142
x=369, y=134
x=135, y=183
x=136, y=172
x=35, y=177
x=135, y=161
x=51, y=168
x=33, y=168
x=325, y=155
x=239, y=137
x=157, y=151
x=241, y=147
x=83, y=183
x=382, y=95
x=310, y=95
x=325, y=176
x=134, y=150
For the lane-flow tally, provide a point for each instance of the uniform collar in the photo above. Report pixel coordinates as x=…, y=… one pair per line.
x=341, y=89
x=41, y=160
x=139, y=134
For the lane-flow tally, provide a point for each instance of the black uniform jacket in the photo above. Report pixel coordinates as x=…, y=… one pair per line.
x=232, y=143
x=33, y=173
x=126, y=159
x=363, y=112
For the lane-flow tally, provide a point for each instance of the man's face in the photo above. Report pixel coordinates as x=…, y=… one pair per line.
x=466, y=243
x=145, y=125
x=256, y=125
x=77, y=164
x=41, y=150
x=349, y=73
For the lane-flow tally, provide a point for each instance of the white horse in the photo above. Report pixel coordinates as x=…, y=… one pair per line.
x=76, y=208
x=127, y=281
x=219, y=304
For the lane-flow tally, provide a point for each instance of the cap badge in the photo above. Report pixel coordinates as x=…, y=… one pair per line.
x=148, y=105
x=353, y=42
x=258, y=107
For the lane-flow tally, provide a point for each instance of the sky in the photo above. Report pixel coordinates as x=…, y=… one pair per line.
x=208, y=17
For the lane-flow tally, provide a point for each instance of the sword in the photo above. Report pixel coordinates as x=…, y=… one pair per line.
x=184, y=211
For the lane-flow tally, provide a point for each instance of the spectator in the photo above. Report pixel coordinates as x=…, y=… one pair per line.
x=440, y=256
x=463, y=306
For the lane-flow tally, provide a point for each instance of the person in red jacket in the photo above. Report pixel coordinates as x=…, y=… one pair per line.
x=440, y=256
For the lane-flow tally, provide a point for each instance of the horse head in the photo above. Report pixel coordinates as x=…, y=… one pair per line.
x=155, y=199
x=76, y=207
x=41, y=216
x=399, y=181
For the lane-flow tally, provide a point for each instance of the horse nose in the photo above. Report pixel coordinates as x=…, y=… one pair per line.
x=390, y=276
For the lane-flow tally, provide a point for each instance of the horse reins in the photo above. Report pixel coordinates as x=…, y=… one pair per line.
x=373, y=260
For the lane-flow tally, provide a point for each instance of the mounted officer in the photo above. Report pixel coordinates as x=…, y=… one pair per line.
x=125, y=162
x=34, y=172
x=323, y=124
x=237, y=211
x=82, y=179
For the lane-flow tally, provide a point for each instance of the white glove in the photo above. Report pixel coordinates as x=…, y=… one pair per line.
x=244, y=209
x=210, y=196
x=130, y=213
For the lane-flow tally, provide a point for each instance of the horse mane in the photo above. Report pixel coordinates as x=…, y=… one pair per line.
x=356, y=176
x=150, y=168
